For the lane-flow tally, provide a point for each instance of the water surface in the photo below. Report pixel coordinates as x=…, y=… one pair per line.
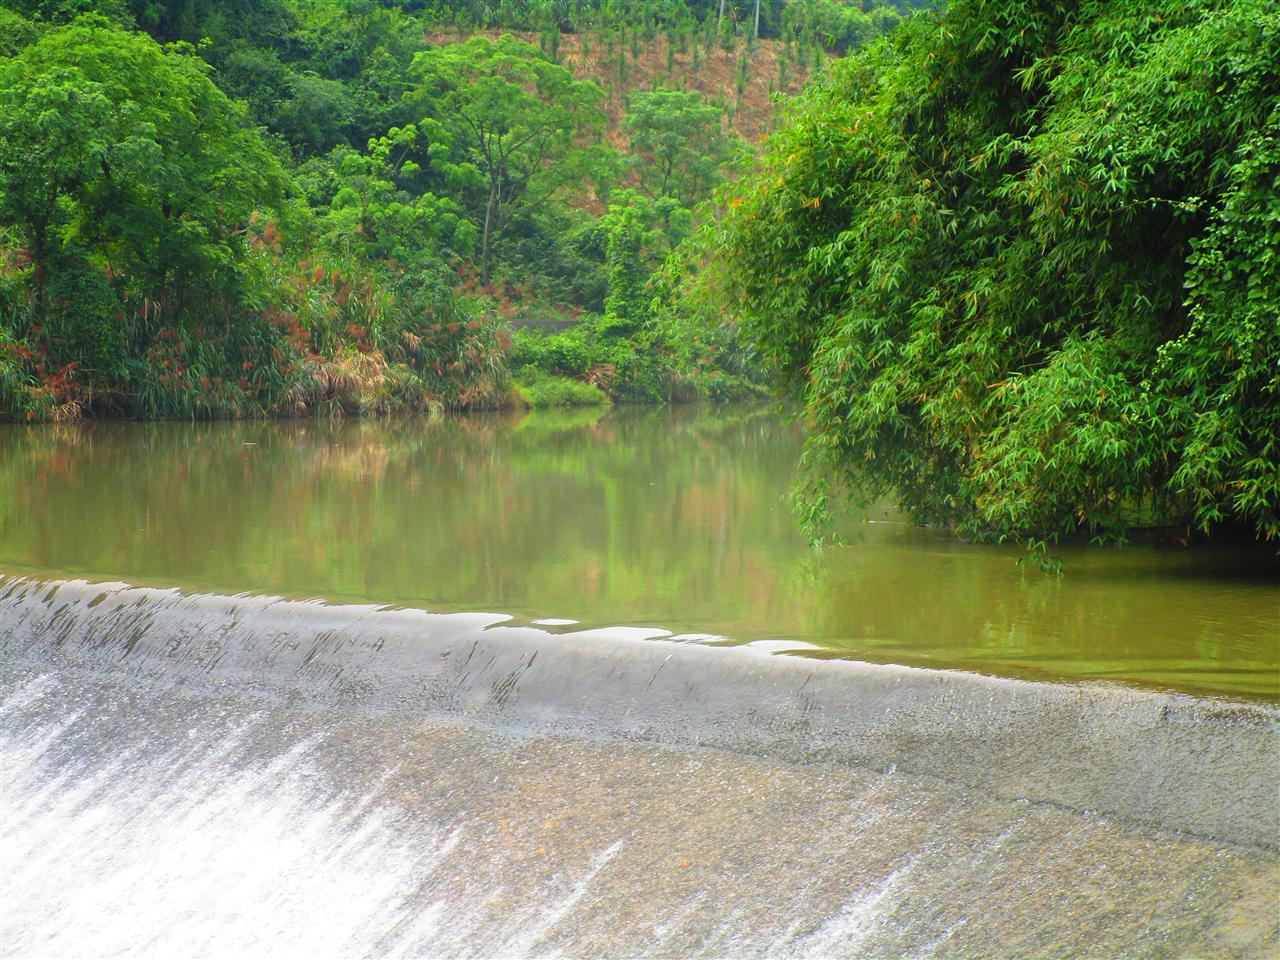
x=666, y=518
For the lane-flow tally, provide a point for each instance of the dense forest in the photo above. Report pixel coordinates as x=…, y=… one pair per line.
x=218, y=208
x=1018, y=261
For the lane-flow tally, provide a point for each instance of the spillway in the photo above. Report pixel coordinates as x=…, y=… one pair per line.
x=197, y=774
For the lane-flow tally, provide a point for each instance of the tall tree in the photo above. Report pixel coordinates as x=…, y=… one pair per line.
x=678, y=143
x=522, y=117
x=383, y=206
x=112, y=143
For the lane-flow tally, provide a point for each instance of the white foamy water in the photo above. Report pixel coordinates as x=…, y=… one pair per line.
x=202, y=846
x=210, y=860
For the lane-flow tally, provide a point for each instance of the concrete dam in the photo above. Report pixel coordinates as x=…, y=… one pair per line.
x=200, y=774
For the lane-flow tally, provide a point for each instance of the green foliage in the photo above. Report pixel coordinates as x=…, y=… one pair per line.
x=19, y=389
x=277, y=207
x=129, y=179
x=678, y=143
x=518, y=115
x=380, y=204
x=1020, y=266
x=20, y=394
x=538, y=389
x=454, y=346
x=705, y=347
x=596, y=351
x=1219, y=382
x=16, y=32
x=624, y=307
x=672, y=353
x=58, y=12
x=740, y=74
x=112, y=143
x=838, y=26
x=82, y=323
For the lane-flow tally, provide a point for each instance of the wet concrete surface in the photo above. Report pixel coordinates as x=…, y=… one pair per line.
x=150, y=822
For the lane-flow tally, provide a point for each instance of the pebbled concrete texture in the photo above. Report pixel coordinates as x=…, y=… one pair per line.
x=205, y=775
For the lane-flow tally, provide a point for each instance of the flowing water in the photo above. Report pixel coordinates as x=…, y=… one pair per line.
x=572, y=684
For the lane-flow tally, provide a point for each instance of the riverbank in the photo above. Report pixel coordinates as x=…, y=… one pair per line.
x=197, y=372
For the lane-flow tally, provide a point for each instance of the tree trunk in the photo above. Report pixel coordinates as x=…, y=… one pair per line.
x=39, y=256
x=757, y=19
x=720, y=21
x=488, y=226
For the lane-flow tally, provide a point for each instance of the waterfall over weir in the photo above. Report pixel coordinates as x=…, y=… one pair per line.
x=206, y=775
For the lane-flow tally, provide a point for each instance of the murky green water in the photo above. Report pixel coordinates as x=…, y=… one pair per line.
x=664, y=518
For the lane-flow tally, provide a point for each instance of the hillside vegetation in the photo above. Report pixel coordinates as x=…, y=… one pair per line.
x=1016, y=259
x=742, y=81
x=276, y=207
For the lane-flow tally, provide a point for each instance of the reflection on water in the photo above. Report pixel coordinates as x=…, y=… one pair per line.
x=667, y=518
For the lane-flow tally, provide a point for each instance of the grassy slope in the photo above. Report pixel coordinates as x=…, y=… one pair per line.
x=714, y=79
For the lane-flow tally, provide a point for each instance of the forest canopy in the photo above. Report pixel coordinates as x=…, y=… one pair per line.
x=1021, y=264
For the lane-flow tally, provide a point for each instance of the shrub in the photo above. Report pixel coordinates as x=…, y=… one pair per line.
x=534, y=388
